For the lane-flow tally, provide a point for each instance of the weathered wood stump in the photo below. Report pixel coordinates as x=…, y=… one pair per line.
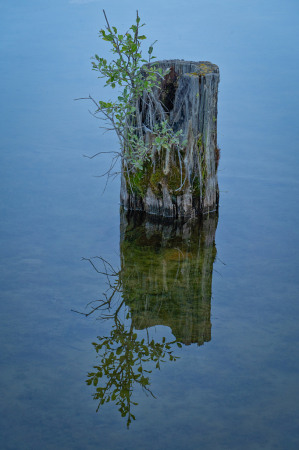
x=178, y=183
x=166, y=273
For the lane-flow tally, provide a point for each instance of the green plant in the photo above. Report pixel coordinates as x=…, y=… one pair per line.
x=134, y=76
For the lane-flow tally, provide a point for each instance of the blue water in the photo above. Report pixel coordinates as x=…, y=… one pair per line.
x=239, y=390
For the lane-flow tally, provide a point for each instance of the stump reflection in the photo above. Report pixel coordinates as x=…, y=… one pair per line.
x=166, y=273
x=165, y=279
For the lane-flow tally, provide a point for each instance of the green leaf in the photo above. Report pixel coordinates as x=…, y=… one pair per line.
x=119, y=350
x=141, y=38
x=134, y=337
x=179, y=345
x=95, y=381
x=124, y=393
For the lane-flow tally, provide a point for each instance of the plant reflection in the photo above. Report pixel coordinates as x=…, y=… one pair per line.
x=123, y=358
x=165, y=279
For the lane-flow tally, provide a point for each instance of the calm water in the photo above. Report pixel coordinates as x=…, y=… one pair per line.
x=225, y=290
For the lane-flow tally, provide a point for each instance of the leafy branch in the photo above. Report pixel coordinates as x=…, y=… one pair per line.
x=136, y=78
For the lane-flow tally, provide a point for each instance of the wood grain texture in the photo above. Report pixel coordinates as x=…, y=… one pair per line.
x=178, y=184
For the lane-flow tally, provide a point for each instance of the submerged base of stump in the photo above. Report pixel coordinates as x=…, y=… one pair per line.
x=179, y=183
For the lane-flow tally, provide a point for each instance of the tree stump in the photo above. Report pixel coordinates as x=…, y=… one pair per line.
x=178, y=183
x=166, y=273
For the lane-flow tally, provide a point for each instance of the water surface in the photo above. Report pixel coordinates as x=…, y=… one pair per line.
x=234, y=383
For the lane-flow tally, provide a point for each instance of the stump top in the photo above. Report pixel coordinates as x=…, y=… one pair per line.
x=198, y=68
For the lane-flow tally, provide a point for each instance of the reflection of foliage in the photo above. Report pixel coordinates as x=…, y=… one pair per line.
x=123, y=357
x=165, y=279
x=122, y=362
